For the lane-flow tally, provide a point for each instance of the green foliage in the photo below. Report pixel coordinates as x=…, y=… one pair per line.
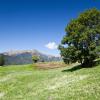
x=35, y=59
x=82, y=38
x=98, y=50
x=1, y=60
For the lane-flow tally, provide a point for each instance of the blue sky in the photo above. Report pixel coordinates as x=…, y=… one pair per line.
x=37, y=24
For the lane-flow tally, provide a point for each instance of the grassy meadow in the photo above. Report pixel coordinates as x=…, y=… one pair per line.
x=26, y=82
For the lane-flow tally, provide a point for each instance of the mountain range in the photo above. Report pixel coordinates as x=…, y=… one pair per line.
x=25, y=57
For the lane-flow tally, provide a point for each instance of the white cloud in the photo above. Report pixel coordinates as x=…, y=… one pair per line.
x=51, y=45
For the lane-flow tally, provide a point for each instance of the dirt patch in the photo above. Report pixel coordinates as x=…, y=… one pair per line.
x=50, y=65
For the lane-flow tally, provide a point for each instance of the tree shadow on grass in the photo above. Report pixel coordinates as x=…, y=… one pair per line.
x=78, y=67
x=74, y=68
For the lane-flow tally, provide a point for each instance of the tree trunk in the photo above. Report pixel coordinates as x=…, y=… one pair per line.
x=87, y=63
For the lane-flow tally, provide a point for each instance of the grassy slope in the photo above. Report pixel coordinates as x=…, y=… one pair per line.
x=27, y=83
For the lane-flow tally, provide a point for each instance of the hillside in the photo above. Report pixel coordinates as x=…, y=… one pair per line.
x=25, y=82
x=25, y=57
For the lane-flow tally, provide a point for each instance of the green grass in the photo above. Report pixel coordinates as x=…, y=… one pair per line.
x=25, y=82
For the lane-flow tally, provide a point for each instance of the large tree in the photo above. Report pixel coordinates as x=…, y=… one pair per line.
x=82, y=38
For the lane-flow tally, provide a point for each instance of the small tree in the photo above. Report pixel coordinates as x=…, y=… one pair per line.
x=35, y=59
x=1, y=60
x=82, y=38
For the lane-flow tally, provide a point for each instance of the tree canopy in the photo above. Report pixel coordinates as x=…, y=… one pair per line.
x=82, y=39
